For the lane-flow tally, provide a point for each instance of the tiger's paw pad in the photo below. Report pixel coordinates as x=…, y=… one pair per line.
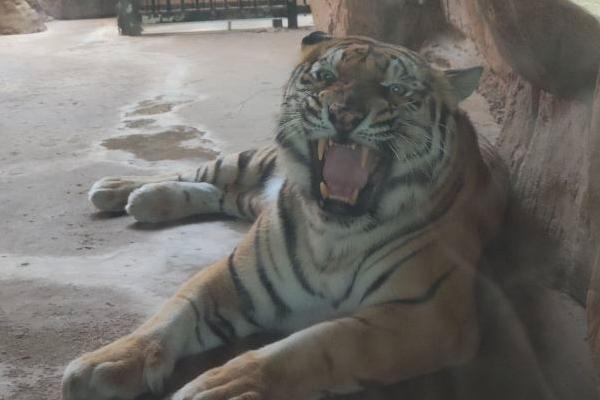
x=169, y=201
x=111, y=193
x=243, y=378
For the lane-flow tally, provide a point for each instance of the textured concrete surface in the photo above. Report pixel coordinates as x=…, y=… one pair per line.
x=79, y=102
x=71, y=279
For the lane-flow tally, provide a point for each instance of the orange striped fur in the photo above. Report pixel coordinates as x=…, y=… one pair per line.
x=370, y=289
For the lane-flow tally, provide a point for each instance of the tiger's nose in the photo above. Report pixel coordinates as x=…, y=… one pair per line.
x=344, y=119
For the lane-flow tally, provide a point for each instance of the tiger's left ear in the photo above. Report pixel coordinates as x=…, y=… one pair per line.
x=464, y=81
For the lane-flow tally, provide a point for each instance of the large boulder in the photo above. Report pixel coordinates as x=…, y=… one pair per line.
x=554, y=44
x=17, y=16
x=76, y=9
x=546, y=57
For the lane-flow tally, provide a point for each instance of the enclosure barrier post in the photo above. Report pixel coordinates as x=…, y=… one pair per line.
x=129, y=18
x=292, y=14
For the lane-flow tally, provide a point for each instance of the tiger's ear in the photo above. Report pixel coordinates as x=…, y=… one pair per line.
x=464, y=81
x=315, y=38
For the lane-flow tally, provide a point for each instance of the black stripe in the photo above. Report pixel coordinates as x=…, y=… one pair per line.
x=216, y=330
x=427, y=296
x=218, y=164
x=226, y=325
x=299, y=70
x=267, y=171
x=242, y=164
x=304, y=80
x=222, y=199
x=382, y=243
x=204, y=174
x=247, y=307
x=432, y=109
x=386, y=110
x=197, y=314
x=289, y=233
x=349, y=289
x=428, y=143
x=419, y=177
x=418, y=225
x=443, y=128
x=377, y=283
x=313, y=258
x=240, y=205
x=313, y=111
x=251, y=208
x=397, y=246
x=281, y=308
x=271, y=257
x=387, y=122
x=294, y=152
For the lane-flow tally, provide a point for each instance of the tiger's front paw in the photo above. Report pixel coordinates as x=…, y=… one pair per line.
x=169, y=201
x=111, y=193
x=243, y=378
x=122, y=370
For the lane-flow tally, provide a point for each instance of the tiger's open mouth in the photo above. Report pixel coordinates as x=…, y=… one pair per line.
x=346, y=174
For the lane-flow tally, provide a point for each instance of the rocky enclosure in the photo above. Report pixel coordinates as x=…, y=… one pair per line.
x=542, y=59
x=17, y=16
x=28, y=16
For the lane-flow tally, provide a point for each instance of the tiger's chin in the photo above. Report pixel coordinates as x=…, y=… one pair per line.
x=347, y=176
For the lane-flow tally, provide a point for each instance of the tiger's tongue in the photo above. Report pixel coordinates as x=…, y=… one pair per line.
x=342, y=171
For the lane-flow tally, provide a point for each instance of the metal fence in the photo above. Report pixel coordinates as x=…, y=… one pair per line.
x=206, y=10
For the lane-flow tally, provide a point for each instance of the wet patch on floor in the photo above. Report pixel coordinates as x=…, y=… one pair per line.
x=176, y=143
x=154, y=106
x=151, y=131
x=138, y=123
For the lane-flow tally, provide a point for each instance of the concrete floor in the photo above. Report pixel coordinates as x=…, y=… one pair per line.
x=70, y=279
x=79, y=102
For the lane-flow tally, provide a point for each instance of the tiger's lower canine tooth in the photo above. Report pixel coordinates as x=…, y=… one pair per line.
x=324, y=190
x=364, y=156
x=321, y=146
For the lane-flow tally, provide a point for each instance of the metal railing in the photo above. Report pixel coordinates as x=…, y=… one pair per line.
x=206, y=10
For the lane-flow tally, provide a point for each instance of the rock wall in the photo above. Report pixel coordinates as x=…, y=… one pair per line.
x=405, y=22
x=593, y=299
x=76, y=9
x=543, y=59
x=17, y=16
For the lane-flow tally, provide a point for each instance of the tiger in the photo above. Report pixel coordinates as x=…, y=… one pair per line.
x=364, y=256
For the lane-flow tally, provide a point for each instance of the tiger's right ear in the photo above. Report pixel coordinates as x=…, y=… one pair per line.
x=315, y=38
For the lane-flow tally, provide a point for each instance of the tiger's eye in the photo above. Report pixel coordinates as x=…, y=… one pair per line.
x=326, y=76
x=396, y=89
